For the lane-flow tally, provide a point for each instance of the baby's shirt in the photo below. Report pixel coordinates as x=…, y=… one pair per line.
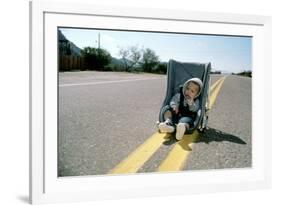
x=175, y=101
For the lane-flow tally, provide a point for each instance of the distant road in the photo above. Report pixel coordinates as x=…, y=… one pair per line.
x=104, y=117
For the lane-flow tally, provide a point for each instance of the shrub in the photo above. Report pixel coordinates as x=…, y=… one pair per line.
x=96, y=58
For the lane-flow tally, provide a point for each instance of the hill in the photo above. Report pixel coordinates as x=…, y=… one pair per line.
x=66, y=47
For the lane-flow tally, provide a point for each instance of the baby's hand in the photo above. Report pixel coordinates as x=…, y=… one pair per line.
x=175, y=109
x=189, y=101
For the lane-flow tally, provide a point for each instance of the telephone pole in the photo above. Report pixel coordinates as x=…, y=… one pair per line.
x=99, y=41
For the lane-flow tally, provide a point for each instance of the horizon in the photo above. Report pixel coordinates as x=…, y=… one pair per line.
x=228, y=54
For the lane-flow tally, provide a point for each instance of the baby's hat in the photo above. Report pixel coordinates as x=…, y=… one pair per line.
x=196, y=81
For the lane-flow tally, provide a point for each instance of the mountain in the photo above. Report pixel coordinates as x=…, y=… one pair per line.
x=66, y=47
x=116, y=61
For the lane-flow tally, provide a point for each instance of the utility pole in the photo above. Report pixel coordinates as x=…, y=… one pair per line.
x=99, y=41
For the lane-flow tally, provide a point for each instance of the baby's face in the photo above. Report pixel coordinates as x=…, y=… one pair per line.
x=192, y=90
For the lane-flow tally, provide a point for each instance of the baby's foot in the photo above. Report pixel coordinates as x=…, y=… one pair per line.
x=180, y=131
x=165, y=127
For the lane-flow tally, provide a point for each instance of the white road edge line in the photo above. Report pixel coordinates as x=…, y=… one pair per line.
x=108, y=82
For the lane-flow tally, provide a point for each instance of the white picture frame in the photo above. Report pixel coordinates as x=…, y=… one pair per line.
x=46, y=187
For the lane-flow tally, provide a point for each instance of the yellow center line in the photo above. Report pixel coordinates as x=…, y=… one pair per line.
x=215, y=93
x=216, y=83
x=136, y=159
x=139, y=156
x=177, y=157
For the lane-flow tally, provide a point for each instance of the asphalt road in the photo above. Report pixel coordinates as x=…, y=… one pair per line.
x=103, y=117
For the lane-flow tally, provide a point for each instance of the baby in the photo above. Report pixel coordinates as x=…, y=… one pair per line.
x=183, y=109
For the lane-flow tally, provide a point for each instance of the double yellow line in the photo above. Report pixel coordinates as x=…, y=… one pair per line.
x=176, y=157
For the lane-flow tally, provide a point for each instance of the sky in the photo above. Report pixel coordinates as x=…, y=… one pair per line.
x=226, y=53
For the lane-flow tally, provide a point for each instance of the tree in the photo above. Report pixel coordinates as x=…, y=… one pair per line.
x=145, y=59
x=247, y=73
x=130, y=57
x=161, y=68
x=95, y=58
x=149, y=61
